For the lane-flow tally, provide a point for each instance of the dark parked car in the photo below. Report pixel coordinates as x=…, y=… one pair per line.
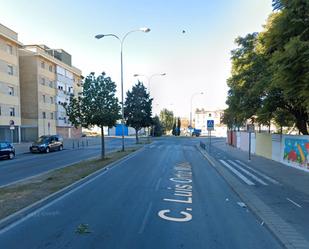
x=47, y=144
x=7, y=150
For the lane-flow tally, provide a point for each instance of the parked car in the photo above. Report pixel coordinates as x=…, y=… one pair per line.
x=47, y=144
x=7, y=150
x=196, y=132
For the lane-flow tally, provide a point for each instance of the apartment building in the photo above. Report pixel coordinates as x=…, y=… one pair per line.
x=47, y=79
x=200, y=121
x=10, y=115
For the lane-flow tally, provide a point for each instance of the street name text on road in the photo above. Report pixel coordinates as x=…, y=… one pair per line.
x=182, y=179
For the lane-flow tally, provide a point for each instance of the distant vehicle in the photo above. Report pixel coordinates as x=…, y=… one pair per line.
x=84, y=135
x=7, y=150
x=47, y=144
x=196, y=132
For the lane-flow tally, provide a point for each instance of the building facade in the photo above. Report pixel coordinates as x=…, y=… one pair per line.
x=10, y=115
x=47, y=80
x=200, y=121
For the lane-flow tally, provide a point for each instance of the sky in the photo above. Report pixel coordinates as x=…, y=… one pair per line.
x=197, y=60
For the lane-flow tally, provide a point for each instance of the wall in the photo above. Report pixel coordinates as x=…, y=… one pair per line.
x=244, y=141
x=295, y=151
x=264, y=145
x=287, y=149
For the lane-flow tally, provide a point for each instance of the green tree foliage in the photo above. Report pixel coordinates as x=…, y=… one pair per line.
x=178, y=127
x=174, y=130
x=167, y=120
x=270, y=70
x=138, y=108
x=97, y=105
x=157, y=127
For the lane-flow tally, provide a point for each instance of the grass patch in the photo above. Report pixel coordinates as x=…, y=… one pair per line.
x=18, y=196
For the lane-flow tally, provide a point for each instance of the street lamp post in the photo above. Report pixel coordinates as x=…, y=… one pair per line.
x=193, y=95
x=121, y=40
x=149, y=81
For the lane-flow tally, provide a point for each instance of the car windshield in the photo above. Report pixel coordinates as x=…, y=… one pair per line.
x=42, y=140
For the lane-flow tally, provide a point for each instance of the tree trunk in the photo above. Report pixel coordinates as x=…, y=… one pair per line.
x=102, y=143
x=136, y=135
x=301, y=121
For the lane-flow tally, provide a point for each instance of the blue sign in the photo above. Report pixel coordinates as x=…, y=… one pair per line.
x=210, y=125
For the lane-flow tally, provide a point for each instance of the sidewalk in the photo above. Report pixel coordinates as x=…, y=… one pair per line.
x=295, y=178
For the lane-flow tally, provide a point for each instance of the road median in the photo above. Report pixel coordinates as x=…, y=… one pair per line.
x=19, y=200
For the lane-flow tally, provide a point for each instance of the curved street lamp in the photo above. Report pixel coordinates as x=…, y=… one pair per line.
x=121, y=40
x=149, y=77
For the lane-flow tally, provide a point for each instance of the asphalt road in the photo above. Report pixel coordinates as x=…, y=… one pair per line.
x=165, y=196
x=28, y=164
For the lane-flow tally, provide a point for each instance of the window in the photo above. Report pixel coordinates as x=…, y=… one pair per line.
x=50, y=68
x=44, y=98
x=9, y=49
x=209, y=115
x=44, y=115
x=43, y=81
x=12, y=111
x=51, y=100
x=42, y=64
x=51, y=115
x=51, y=83
x=10, y=69
x=0, y=110
x=11, y=91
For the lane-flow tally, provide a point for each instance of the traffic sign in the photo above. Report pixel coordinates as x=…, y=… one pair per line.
x=210, y=125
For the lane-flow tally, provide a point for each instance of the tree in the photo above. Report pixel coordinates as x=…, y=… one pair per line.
x=157, y=127
x=174, y=131
x=167, y=119
x=286, y=42
x=270, y=70
x=178, y=127
x=138, y=108
x=96, y=105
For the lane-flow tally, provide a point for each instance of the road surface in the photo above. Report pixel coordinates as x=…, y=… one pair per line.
x=166, y=196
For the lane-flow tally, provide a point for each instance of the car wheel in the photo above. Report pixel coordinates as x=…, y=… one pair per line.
x=60, y=148
x=47, y=150
x=11, y=155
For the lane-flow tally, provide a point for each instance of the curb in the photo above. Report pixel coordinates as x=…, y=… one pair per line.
x=30, y=210
x=282, y=231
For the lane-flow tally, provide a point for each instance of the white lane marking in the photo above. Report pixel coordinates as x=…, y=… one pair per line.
x=248, y=173
x=141, y=230
x=296, y=204
x=158, y=184
x=242, y=204
x=160, y=146
x=61, y=197
x=241, y=176
x=259, y=173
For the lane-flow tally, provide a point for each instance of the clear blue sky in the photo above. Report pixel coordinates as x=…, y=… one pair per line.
x=198, y=60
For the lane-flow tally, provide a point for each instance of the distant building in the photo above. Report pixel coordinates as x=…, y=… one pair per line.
x=47, y=80
x=9, y=85
x=200, y=121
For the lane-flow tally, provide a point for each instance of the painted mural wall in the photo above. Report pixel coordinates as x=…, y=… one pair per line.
x=295, y=151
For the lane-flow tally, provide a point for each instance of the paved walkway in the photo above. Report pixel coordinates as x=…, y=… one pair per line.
x=295, y=178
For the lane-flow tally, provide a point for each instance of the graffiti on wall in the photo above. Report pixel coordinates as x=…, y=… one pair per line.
x=296, y=151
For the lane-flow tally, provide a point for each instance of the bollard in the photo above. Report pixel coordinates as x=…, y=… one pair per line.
x=73, y=146
x=78, y=144
x=87, y=142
